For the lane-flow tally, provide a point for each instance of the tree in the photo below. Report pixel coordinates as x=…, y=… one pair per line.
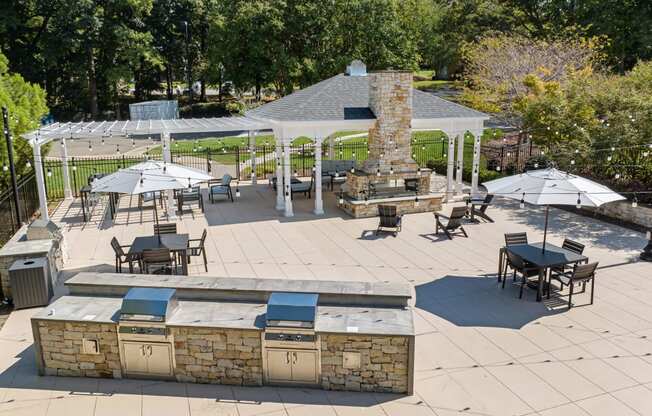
x=27, y=105
x=496, y=67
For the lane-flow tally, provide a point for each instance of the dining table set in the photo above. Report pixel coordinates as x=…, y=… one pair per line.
x=544, y=260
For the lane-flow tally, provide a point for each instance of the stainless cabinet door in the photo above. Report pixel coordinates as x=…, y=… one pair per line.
x=159, y=359
x=304, y=366
x=135, y=358
x=279, y=365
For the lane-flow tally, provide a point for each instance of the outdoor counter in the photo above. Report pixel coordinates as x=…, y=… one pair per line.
x=242, y=289
x=234, y=315
x=217, y=332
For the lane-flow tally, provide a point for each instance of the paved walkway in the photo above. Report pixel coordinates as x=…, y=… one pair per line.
x=480, y=350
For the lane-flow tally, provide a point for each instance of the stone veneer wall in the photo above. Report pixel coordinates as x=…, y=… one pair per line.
x=390, y=98
x=384, y=363
x=408, y=206
x=61, y=349
x=218, y=356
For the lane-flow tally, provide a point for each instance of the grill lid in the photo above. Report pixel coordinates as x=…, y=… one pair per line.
x=151, y=304
x=292, y=309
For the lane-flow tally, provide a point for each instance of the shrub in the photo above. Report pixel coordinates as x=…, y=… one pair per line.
x=538, y=162
x=440, y=166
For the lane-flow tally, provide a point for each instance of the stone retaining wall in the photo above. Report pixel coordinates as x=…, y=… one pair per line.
x=205, y=355
x=403, y=207
x=384, y=363
x=62, y=353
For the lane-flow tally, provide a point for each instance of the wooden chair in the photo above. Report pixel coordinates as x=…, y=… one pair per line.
x=581, y=273
x=454, y=223
x=165, y=228
x=518, y=265
x=218, y=187
x=482, y=211
x=121, y=257
x=389, y=219
x=196, y=247
x=158, y=260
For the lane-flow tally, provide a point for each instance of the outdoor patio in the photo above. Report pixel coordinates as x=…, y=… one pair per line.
x=479, y=349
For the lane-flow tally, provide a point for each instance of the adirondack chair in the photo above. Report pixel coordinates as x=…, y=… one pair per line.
x=454, y=223
x=389, y=219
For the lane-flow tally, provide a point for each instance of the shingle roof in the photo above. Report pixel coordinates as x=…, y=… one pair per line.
x=344, y=97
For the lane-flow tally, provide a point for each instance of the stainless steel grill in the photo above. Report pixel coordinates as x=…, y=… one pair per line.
x=146, y=346
x=291, y=349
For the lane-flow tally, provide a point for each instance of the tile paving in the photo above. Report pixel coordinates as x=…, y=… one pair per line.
x=480, y=350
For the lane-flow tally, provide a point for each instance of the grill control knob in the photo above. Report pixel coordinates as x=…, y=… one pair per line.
x=281, y=336
x=133, y=330
x=299, y=337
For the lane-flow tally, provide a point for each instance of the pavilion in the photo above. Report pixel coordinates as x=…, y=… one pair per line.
x=335, y=104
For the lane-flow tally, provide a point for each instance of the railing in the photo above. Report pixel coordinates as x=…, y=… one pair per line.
x=28, y=204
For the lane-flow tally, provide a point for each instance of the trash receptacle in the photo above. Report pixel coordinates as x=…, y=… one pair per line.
x=30, y=283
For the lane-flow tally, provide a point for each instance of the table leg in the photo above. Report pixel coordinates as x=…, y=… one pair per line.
x=501, y=266
x=184, y=262
x=83, y=204
x=540, y=285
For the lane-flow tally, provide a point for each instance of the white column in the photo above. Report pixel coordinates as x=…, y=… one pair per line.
x=40, y=181
x=331, y=147
x=475, y=171
x=459, y=171
x=287, y=176
x=252, y=155
x=280, y=198
x=319, y=203
x=450, y=168
x=67, y=189
x=167, y=158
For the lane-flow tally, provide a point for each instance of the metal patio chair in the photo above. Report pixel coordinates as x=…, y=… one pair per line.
x=165, y=228
x=518, y=265
x=581, y=273
x=217, y=187
x=159, y=260
x=196, y=248
x=122, y=257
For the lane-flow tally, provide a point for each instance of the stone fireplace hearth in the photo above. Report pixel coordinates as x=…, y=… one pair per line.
x=389, y=175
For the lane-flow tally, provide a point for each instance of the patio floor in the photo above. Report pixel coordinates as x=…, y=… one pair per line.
x=479, y=350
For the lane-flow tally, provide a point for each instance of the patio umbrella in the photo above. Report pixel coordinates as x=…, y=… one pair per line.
x=552, y=187
x=149, y=176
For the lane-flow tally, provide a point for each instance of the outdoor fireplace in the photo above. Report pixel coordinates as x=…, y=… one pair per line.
x=390, y=174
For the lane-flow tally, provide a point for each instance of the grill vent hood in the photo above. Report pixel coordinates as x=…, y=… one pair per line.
x=292, y=309
x=154, y=304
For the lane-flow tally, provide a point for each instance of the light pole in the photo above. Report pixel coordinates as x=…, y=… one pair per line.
x=188, y=74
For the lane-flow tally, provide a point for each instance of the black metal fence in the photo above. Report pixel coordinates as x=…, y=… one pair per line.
x=28, y=205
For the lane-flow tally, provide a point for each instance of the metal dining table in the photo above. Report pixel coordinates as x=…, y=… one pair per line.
x=552, y=256
x=176, y=243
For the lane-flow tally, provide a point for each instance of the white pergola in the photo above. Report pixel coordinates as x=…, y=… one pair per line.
x=105, y=129
x=340, y=103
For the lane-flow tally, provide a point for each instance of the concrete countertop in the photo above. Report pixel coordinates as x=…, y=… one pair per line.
x=234, y=315
x=99, y=283
x=19, y=245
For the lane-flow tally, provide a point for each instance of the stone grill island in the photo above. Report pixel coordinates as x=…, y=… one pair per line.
x=389, y=175
x=353, y=336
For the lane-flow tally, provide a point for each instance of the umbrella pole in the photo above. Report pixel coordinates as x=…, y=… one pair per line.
x=545, y=228
x=155, y=211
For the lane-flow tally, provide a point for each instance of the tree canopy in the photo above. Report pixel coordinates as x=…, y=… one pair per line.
x=90, y=55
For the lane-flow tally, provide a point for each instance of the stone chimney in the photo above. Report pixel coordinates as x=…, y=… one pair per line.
x=390, y=99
